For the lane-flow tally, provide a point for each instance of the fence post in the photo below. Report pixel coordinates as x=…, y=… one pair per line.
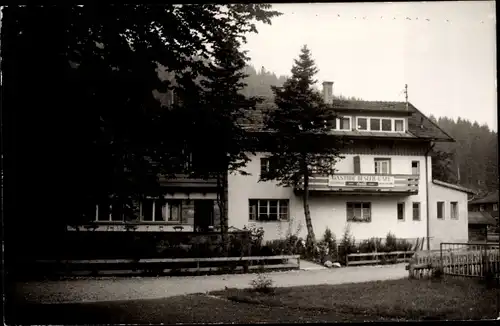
x=441, y=256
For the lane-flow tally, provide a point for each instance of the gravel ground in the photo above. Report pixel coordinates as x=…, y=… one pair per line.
x=135, y=288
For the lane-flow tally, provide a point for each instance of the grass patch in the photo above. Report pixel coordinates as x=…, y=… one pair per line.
x=400, y=299
x=191, y=309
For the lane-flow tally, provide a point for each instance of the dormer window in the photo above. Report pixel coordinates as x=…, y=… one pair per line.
x=399, y=125
x=362, y=124
x=386, y=125
x=375, y=124
x=380, y=124
x=342, y=123
x=345, y=123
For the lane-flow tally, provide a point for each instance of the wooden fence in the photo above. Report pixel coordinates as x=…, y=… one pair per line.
x=170, y=265
x=378, y=257
x=457, y=259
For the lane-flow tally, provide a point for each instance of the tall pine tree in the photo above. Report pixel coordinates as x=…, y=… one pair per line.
x=302, y=146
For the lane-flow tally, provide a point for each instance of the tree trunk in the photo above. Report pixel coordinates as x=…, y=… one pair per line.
x=221, y=202
x=307, y=212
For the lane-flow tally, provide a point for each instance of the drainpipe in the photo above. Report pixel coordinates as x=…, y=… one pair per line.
x=427, y=194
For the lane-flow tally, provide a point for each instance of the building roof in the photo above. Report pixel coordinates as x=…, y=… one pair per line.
x=419, y=126
x=488, y=199
x=452, y=186
x=481, y=218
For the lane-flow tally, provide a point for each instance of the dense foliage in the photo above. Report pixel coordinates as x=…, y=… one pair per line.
x=472, y=160
x=82, y=86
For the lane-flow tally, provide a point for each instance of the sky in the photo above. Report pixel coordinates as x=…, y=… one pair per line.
x=444, y=51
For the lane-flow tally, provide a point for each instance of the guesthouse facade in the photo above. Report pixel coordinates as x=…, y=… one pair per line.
x=383, y=184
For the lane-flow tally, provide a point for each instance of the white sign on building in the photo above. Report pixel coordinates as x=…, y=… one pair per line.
x=356, y=180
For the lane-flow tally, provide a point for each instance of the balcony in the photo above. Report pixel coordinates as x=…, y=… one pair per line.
x=363, y=184
x=183, y=181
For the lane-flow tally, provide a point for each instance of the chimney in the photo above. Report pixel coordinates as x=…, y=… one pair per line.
x=328, y=92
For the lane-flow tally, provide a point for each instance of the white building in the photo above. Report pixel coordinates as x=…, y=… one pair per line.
x=384, y=184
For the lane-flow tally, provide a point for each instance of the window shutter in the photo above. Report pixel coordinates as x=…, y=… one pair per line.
x=357, y=167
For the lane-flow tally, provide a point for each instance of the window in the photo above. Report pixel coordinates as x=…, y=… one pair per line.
x=267, y=165
x=415, y=168
x=149, y=210
x=375, y=124
x=345, y=123
x=359, y=212
x=380, y=124
x=416, y=211
x=495, y=207
x=268, y=209
x=399, y=125
x=160, y=210
x=440, y=210
x=481, y=208
x=104, y=212
x=362, y=123
x=382, y=166
x=264, y=165
x=454, y=210
x=110, y=211
x=386, y=125
x=172, y=210
x=401, y=211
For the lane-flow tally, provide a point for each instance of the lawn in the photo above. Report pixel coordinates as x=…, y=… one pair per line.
x=191, y=309
x=448, y=299
x=372, y=301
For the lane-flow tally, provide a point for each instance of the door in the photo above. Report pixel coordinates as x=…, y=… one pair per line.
x=203, y=215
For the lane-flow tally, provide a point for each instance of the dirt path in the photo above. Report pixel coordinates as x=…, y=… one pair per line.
x=107, y=289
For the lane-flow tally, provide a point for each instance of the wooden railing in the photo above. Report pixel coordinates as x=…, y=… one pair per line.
x=184, y=180
x=401, y=184
x=166, y=265
x=378, y=257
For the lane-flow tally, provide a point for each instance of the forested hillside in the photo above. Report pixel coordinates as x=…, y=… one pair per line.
x=473, y=160
x=259, y=83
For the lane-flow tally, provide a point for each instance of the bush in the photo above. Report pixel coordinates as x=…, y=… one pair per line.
x=330, y=241
x=266, y=251
x=403, y=245
x=390, y=242
x=347, y=245
x=437, y=272
x=262, y=284
x=277, y=247
x=256, y=238
x=371, y=245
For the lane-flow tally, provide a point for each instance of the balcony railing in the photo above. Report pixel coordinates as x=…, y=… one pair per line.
x=184, y=181
x=363, y=184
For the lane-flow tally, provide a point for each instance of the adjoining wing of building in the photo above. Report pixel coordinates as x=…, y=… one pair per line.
x=384, y=184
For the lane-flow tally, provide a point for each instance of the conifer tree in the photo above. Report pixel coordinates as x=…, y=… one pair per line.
x=302, y=147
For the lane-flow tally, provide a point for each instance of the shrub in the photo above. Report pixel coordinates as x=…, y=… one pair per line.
x=347, y=245
x=403, y=245
x=256, y=237
x=266, y=251
x=437, y=272
x=330, y=241
x=277, y=247
x=390, y=242
x=262, y=284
